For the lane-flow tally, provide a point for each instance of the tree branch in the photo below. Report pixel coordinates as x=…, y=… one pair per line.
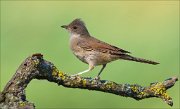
x=35, y=67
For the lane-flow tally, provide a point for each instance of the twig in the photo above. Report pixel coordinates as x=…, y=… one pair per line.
x=35, y=67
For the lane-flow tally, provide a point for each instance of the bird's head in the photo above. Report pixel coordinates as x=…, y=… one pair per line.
x=77, y=26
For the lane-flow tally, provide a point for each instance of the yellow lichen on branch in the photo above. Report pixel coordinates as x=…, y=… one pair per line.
x=35, y=67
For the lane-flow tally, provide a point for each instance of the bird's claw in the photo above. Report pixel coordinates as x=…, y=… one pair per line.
x=75, y=75
x=97, y=78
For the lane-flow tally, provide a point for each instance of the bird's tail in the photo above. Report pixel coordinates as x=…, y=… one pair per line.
x=131, y=58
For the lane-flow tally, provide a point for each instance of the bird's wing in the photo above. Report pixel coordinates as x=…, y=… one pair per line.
x=93, y=44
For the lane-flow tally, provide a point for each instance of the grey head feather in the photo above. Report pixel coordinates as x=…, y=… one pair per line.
x=78, y=21
x=77, y=26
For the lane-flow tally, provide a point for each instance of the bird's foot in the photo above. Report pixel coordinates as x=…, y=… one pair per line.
x=97, y=78
x=75, y=75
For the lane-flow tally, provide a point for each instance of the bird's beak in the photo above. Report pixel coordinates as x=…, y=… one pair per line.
x=64, y=26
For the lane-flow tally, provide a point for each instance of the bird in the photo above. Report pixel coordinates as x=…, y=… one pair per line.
x=93, y=51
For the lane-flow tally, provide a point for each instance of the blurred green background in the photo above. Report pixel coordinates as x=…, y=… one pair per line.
x=149, y=29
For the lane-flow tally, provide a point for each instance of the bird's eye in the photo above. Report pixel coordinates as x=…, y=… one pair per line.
x=74, y=27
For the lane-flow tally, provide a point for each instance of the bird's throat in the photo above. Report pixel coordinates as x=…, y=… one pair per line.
x=74, y=35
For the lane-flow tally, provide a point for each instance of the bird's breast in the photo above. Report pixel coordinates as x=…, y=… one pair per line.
x=77, y=51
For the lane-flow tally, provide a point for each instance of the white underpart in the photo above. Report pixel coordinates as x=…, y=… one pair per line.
x=74, y=35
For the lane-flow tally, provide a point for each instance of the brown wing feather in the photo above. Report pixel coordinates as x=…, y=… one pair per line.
x=95, y=44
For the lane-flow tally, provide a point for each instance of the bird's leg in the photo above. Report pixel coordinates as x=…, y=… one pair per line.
x=89, y=69
x=98, y=76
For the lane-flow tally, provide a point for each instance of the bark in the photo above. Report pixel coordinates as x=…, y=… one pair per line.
x=35, y=67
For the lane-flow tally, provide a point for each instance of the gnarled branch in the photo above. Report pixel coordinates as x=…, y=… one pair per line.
x=35, y=67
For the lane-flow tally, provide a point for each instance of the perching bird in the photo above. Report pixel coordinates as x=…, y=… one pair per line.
x=93, y=51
